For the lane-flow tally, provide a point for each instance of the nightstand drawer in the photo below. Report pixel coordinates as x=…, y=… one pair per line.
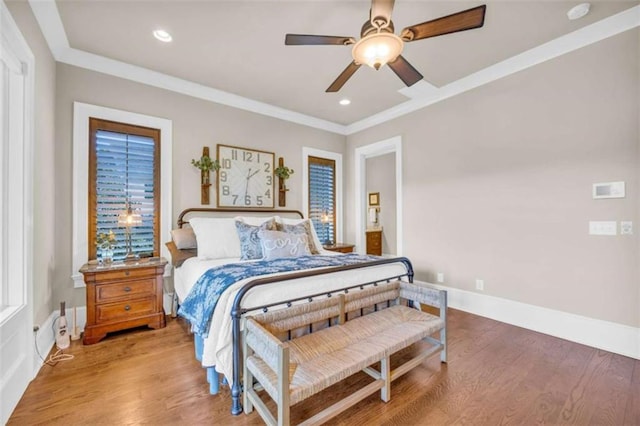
x=123, y=290
x=374, y=243
x=122, y=310
x=125, y=274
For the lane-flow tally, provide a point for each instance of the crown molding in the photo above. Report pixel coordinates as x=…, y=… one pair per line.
x=48, y=17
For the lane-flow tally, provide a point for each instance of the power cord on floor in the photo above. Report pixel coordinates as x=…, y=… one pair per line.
x=58, y=355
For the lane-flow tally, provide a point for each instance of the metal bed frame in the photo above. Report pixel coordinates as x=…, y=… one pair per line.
x=237, y=311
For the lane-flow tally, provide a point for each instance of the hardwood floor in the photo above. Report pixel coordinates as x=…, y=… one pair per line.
x=496, y=374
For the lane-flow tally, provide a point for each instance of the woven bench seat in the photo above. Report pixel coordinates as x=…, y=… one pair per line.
x=323, y=358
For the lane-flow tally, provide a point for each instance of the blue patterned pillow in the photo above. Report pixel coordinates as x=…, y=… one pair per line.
x=250, y=247
x=277, y=244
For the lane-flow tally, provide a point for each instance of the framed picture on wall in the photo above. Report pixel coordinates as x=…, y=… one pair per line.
x=374, y=198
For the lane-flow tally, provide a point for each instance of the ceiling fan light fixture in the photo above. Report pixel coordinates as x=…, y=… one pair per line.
x=377, y=49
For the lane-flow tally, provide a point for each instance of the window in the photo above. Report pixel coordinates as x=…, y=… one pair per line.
x=82, y=114
x=124, y=179
x=322, y=197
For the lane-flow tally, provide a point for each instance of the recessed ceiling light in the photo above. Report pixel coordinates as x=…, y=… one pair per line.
x=162, y=35
x=345, y=101
x=578, y=11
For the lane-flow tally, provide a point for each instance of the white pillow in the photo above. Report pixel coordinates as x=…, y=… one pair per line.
x=276, y=244
x=217, y=237
x=254, y=220
x=314, y=243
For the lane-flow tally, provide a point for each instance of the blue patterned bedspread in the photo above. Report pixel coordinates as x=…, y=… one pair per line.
x=198, y=306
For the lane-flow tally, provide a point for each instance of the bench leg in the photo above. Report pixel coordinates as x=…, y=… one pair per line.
x=283, y=386
x=385, y=374
x=443, y=339
x=247, y=378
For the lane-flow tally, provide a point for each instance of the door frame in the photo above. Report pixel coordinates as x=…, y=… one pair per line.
x=387, y=146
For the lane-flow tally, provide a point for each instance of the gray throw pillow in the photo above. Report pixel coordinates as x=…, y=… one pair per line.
x=277, y=244
x=301, y=228
x=250, y=247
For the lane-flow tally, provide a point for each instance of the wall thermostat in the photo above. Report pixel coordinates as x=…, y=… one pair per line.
x=608, y=190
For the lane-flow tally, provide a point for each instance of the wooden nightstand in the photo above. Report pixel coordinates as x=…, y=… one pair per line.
x=374, y=241
x=340, y=247
x=123, y=295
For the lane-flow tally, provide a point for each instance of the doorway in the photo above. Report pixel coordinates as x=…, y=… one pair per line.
x=362, y=154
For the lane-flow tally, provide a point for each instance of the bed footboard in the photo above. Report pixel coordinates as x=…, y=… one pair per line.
x=238, y=311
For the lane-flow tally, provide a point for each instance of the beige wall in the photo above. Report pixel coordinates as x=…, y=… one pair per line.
x=196, y=123
x=381, y=177
x=497, y=183
x=44, y=174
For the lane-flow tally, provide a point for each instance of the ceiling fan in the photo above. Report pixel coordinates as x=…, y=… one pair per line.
x=378, y=45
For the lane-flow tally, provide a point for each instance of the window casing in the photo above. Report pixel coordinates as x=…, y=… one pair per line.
x=124, y=171
x=322, y=197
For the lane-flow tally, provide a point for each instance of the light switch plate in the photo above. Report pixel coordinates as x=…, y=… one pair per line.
x=609, y=190
x=440, y=277
x=603, y=228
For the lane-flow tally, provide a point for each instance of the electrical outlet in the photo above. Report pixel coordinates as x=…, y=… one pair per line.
x=626, y=228
x=479, y=284
x=440, y=277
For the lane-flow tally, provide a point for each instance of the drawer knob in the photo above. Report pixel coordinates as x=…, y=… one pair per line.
x=127, y=289
x=127, y=307
x=127, y=273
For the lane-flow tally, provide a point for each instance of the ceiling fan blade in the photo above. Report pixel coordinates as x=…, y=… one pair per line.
x=405, y=71
x=461, y=21
x=307, y=39
x=343, y=77
x=381, y=11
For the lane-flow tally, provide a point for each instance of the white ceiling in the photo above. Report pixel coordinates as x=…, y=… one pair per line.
x=238, y=46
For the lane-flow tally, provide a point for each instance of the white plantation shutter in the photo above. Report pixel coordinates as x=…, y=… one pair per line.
x=126, y=165
x=322, y=196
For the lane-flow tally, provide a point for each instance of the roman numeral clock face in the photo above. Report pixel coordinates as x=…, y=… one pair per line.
x=245, y=178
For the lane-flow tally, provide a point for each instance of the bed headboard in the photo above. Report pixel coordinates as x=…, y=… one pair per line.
x=210, y=211
x=178, y=256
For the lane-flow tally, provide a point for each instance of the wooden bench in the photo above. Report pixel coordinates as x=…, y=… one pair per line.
x=361, y=328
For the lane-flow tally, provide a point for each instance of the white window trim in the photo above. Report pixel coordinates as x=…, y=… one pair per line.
x=81, y=114
x=337, y=157
x=386, y=146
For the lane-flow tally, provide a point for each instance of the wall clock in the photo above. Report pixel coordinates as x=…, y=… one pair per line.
x=245, y=178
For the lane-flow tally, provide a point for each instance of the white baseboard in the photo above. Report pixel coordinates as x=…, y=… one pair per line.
x=613, y=337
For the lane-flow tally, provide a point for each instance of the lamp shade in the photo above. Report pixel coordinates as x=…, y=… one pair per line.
x=129, y=218
x=377, y=49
